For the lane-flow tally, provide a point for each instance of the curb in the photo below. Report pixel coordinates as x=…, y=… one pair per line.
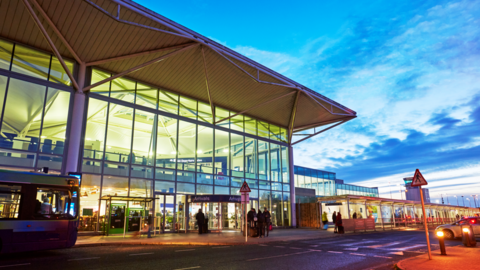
x=155, y=244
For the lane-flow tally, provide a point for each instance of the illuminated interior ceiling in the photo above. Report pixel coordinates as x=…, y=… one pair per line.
x=127, y=39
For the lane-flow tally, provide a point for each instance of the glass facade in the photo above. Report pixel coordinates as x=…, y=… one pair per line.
x=325, y=183
x=34, y=109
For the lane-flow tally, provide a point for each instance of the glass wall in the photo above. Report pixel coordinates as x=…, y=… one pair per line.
x=34, y=113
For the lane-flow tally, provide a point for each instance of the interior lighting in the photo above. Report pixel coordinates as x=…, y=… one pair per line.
x=225, y=150
x=173, y=152
x=43, y=137
x=199, y=151
x=88, y=139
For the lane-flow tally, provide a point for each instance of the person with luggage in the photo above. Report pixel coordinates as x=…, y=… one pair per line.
x=260, y=224
x=200, y=217
x=339, y=223
x=252, y=221
x=325, y=220
x=334, y=218
x=149, y=224
x=268, y=219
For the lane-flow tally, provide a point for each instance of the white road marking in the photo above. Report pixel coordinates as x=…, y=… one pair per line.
x=382, y=257
x=358, y=243
x=92, y=258
x=294, y=248
x=184, y=250
x=317, y=250
x=195, y=267
x=358, y=254
x=222, y=247
x=385, y=245
x=335, y=252
x=285, y=255
x=351, y=249
x=279, y=246
x=410, y=247
x=14, y=265
x=396, y=253
x=140, y=254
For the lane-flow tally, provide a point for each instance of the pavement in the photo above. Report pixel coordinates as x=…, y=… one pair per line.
x=456, y=258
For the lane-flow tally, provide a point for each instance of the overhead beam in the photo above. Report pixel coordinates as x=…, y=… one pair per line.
x=316, y=133
x=304, y=127
x=50, y=42
x=292, y=117
x=156, y=60
x=122, y=57
x=55, y=29
x=208, y=87
x=256, y=106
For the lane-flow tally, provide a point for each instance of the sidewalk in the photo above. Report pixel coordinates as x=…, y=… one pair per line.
x=458, y=257
x=223, y=238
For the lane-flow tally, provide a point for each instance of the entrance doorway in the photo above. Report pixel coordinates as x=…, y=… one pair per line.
x=164, y=213
x=231, y=216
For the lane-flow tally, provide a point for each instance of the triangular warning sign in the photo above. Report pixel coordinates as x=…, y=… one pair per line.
x=418, y=179
x=245, y=187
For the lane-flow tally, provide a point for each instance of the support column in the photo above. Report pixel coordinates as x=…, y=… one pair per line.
x=381, y=215
x=393, y=215
x=366, y=213
x=292, y=187
x=76, y=124
x=348, y=207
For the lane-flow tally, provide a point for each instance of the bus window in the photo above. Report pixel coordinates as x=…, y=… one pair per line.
x=9, y=200
x=53, y=203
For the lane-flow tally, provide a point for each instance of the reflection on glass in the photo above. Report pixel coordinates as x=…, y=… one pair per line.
x=95, y=131
x=54, y=122
x=57, y=72
x=263, y=160
x=263, y=130
x=275, y=133
x=222, y=114
x=97, y=76
x=188, y=108
x=250, y=125
x=31, y=62
x=115, y=186
x=143, y=138
x=236, y=122
x=119, y=133
x=204, y=189
x=275, y=162
x=166, y=142
x=123, y=89
x=140, y=188
x=236, y=155
x=146, y=96
x=186, y=146
x=277, y=211
x=251, y=158
x=5, y=54
x=89, y=196
x=205, y=149
x=286, y=209
x=205, y=113
x=222, y=161
x=168, y=102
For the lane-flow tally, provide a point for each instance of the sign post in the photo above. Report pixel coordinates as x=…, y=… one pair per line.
x=419, y=181
x=245, y=190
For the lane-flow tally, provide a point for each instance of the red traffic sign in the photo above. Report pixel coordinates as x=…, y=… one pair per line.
x=418, y=179
x=245, y=187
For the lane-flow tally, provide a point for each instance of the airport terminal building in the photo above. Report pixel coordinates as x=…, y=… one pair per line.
x=146, y=109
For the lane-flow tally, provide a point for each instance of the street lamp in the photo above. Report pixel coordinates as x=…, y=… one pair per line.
x=475, y=200
x=457, y=198
x=463, y=200
x=446, y=194
x=468, y=199
x=400, y=189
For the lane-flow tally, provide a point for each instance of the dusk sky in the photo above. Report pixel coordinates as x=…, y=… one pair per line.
x=410, y=69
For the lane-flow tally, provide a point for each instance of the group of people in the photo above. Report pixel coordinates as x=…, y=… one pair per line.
x=261, y=221
x=337, y=221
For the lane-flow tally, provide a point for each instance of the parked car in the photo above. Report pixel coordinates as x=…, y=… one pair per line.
x=454, y=230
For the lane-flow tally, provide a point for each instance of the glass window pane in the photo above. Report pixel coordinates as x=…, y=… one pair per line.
x=222, y=160
x=236, y=154
x=186, y=188
x=250, y=125
x=143, y=138
x=5, y=54
x=119, y=133
x=146, y=96
x=186, y=146
x=186, y=177
x=164, y=174
x=52, y=162
x=168, y=102
x=31, y=62
x=89, y=194
x=140, y=188
x=251, y=158
x=115, y=169
x=254, y=193
x=222, y=190
x=123, y=89
x=204, y=178
x=166, y=142
x=204, y=189
x=263, y=130
x=103, y=89
x=205, y=149
x=222, y=114
x=263, y=160
x=277, y=186
x=140, y=171
x=266, y=185
x=205, y=113
x=57, y=72
x=275, y=162
x=16, y=158
x=277, y=208
x=115, y=186
x=235, y=191
x=23, y=115
x=164, y=187
x=55, y=122
x=283, y=135
x=286, y=209
x=252, y=183
x=236, y=182
x=274, y=133
x=286, y=187
x=236, y=122
x=95, y=131
x=221, y=180
x=4, y=142
x=188, y=108
x=91, y=166
x=264, y=198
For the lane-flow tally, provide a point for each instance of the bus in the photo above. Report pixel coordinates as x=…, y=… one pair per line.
x=37, y=211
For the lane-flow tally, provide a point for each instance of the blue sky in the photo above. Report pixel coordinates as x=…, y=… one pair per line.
x=410, y=69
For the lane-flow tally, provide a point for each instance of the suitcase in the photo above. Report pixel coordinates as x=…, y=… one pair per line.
x=253, y=232
x=325, y=226
x=270, y=227
x=341, y=230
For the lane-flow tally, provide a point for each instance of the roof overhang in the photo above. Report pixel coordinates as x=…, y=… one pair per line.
x=130, y=40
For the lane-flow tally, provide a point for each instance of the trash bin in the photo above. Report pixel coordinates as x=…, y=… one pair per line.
x=468, y=237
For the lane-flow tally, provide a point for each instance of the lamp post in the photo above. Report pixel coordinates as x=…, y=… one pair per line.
x=446, y=195
x=474, y=200
x=463, y=199
x=441, y=195
x=457, y=198
x=468, y=199
x=400, y=189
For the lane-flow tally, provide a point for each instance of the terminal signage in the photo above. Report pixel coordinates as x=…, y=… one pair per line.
x=215, y=198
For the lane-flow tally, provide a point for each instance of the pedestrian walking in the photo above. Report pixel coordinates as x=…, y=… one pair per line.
x=200, y=217
x=325, y=220
x=260, y=224
x=149, y=224
x=354, y=215
x=339, y=223
x=268, y=220
x=334, y=218
x=458, y=217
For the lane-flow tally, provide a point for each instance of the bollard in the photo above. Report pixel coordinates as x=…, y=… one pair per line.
x=468, y=238
x=441, y=241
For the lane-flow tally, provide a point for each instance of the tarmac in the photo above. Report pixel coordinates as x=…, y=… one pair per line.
x=458, y=257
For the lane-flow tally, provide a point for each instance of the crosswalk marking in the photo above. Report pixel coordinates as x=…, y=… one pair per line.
x=410, y=247
x=358, y=254
x=294, y=248
x=351, y=249
x=400, y=253
x=385, y=257
x=335, y=252
x=358, y=243
x=385, y=245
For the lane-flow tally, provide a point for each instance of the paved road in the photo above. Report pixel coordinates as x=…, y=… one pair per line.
x=368, y=251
